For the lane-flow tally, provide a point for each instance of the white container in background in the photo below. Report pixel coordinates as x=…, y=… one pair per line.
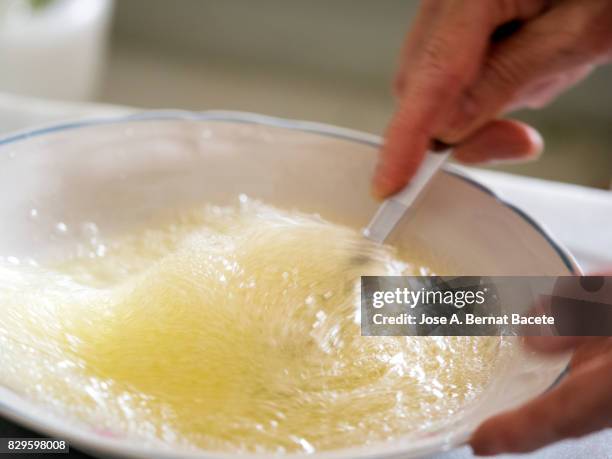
x=53, y=51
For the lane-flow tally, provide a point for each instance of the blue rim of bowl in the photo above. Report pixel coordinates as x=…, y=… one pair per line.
x=306, y=126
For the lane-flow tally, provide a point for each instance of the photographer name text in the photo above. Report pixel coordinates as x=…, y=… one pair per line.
x=463, y=319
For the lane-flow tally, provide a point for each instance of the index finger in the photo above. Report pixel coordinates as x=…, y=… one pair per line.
x=448, y=63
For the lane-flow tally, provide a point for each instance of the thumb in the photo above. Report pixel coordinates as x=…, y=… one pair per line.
x=579, y=405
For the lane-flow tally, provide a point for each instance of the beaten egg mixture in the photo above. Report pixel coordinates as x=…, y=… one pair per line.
x=230, y=329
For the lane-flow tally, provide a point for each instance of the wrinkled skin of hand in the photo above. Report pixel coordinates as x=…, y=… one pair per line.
x=464, y=64
x=580, y=404
x=458, y=74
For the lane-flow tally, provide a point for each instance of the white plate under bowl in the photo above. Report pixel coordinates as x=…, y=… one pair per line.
x=121, y=172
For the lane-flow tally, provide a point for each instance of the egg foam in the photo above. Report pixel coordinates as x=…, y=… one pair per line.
x=231, y=329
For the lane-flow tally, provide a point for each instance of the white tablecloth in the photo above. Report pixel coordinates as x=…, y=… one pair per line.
x=578, y=217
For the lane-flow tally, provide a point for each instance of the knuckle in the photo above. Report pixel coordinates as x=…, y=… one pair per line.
x=505, y=73
x=587, y=31
x=471, y=106
x=562, y=428
x=437, y=68
x=598, y=36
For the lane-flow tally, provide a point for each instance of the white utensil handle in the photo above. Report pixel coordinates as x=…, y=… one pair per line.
x=393, y=209
x=429, y=166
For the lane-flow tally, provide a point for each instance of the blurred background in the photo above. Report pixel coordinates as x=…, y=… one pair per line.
x=317, y=60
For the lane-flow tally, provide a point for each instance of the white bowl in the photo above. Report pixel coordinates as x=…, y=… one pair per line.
x=121, y=172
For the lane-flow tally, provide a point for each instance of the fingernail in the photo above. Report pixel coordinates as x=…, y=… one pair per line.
x=381, y=185
x=381, y=189
x=536, y=140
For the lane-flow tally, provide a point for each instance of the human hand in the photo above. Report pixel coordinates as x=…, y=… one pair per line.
x=581, y=403
x=457, y=74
